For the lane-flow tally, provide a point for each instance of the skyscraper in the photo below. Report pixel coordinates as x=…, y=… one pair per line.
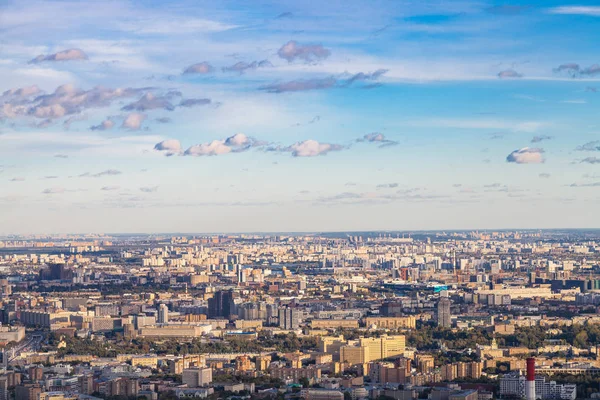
x=289, y=318
x=163, y=314
x=443, y=316
x=220, y=305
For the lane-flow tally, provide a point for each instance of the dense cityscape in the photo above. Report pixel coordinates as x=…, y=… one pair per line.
x=377, y=315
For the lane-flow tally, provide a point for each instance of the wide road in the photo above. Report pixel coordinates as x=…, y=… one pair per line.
x=32, y=342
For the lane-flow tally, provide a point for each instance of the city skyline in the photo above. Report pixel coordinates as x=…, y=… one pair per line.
x=298, y=117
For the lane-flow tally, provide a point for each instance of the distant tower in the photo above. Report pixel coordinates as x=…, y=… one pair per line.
x=163, y=314
x=530, y=383
x=443, y=316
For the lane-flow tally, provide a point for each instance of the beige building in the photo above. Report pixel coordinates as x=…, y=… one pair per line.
x=408, y=322
x=384, y=346
x=355, y=354
x=149, y=360
x=173, y=331
x=334, y=323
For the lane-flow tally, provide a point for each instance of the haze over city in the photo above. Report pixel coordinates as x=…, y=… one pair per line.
x=237, y=116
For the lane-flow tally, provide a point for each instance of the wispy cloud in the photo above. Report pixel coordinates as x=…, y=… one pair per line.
x=300, y=85
x=379, y=138
x=589, y=146
x=243, y=66
x=540, y=138
x=199, y=68
x=108, y=172
x=593, y=11
x=104, y=125
x=509, y=74
x=590, y=160
x=65, y=55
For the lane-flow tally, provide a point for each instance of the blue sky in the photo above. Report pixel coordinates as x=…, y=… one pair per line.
x=142, y=116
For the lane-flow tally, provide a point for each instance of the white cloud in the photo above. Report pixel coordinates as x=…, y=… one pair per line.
x=169, y=146
x=236, y=143
x=312, y=148
x=214, y=148
x=526, y=155
x=134, y=121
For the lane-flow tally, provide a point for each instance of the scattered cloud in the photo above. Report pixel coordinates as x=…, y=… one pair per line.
x=108, y=172
x=369, y=76
x=314, y=120
x=65, y=100
x=105, y=125
x=526, y=155
x=576, y=71
x=150, y=102
x=292, y=51
x=194, y=102
x=308, y=148
x=589, y=146
x=133, y=121
x=387, y=186
x=170, y=147
x=509, y=74
x=65, y=55
x=233, y=144
x=243, y=66
x=592, y=184
x=541, y=138
x=379, y=138
x=301, y=85
x=199, y=68
x=378, y=198
x=54, y=190
x=591, y=160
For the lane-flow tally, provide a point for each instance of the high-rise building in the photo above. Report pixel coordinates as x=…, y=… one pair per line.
x=221, y=304
x=163, y=314
x=443, y=315
x=289, y=318
x=196, y=377
x=86, y=384
x=28, y=391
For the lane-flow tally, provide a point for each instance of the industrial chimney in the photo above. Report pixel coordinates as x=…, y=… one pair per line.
x=530, y=383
